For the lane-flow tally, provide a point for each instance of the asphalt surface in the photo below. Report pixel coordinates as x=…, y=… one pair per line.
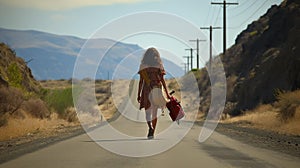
x=123, y=143
x=218, y=151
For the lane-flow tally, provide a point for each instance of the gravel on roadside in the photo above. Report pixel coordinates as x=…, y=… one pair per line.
x=14, y=148
x=288, y=144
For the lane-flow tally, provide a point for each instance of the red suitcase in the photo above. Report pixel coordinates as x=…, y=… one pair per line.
x=175, y=109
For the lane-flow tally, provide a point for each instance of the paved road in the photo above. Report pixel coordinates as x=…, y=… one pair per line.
x=217, y=151
x=85, y=152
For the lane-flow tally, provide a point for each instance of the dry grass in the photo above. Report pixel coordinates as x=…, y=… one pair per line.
x=70, y=115
x=287, y=104
x=17, y=127
x=11, y=100
x=37, y=108
x=265, y=117
x=292, y=126
x=56, y=84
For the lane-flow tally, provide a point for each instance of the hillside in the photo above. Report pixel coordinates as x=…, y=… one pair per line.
x=53, y=56
x=14, y=71
x=19, y=91
x=265, y=59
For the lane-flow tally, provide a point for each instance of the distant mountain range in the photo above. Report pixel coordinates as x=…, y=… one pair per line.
x=51, y=56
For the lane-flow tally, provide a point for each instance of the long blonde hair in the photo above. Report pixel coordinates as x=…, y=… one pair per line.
x=152, y=58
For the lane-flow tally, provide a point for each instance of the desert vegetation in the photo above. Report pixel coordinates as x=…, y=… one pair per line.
x=42, y=111
x=282, y=116
x=25, y=105
x=288, y=104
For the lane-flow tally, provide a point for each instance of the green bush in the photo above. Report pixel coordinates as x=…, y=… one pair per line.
x=14, y=75
x=253, y=33
x=59, y=99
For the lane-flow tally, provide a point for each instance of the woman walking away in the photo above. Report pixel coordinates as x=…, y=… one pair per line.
x=149, y=92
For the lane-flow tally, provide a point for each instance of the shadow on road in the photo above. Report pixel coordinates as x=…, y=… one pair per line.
x=116, y=140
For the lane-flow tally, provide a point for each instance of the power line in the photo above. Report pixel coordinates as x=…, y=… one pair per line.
x=224, y=20
x=218, y=15
x=185, y=67
x=197, y=49
x=187, y=62
x=235, y=27
x=191, y=57
x=207, y=15
x=210, y=28
x=242, y=4
x=213, y=15
x=243, y=11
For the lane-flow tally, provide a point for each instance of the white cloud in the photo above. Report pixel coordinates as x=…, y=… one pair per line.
x=62, y=4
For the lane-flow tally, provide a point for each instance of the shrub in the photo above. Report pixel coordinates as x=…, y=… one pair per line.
x=253, y=33
x=102, y=89
x=287, y=103
x=3, y=121
x=36, y=108
x=14, y=75
x=70, y=115
x=235, y=112
x=59, y=99
x=11, y=100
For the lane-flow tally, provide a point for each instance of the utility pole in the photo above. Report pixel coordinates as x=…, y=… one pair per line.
x=187, y=62
x=191, y=56
x=184, y=65
x=210, y=28
x=197, y=40
x=224, y=20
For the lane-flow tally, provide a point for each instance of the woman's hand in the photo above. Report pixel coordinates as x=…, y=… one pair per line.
x=168, y=95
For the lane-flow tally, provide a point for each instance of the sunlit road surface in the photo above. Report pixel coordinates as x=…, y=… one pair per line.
x=217, y=151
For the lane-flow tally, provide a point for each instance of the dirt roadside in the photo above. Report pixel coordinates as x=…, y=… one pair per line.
x=16, y=147
x=288, y=144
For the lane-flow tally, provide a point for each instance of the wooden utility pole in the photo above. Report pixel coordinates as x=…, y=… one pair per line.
x=191, y=56
x=210, y=28
x=185, y=66
x=197, y=40
x=187, y=62
x=224, y=20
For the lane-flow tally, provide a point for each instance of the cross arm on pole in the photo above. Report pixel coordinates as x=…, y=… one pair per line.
x=196, y=40
x=191, y=63
x=197, y=49
x=227, y=3
x=207, y=28
x=224, y=3
x=187, y=62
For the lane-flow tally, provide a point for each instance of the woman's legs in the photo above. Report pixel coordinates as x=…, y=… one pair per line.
x=149, y=123
x=151, y=117
x=154, y=116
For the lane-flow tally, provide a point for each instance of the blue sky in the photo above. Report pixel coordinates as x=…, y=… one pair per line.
x=82, y=18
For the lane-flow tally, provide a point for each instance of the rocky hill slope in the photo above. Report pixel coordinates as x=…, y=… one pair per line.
x=19, y=91
x=264, y=59
x=14, y=71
